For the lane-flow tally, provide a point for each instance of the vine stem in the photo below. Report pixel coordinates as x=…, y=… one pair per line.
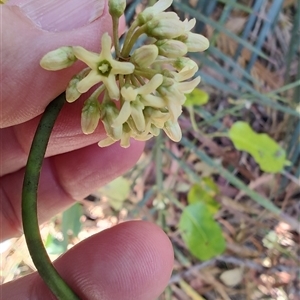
x=32, y=234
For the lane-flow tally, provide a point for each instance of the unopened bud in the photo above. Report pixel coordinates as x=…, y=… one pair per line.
x=144, y=56
x=196, y=42
x=173, y=131
x=110, y=114
x=116, y=7
x=90, y=115
x=58, y=59
x=72, y=93
x=165, y=28
x=171, y=48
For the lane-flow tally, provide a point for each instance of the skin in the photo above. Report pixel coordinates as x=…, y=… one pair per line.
x=133, y=260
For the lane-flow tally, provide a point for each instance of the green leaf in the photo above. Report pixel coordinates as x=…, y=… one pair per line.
x=266, y=152
x=71, y=224
x=201, y=233
x=54, y=246
x=196, y=97
x=205, y=192
x=117, y=191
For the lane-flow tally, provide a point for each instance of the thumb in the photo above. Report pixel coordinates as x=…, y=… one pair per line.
x=132, y=260
x=31, y=28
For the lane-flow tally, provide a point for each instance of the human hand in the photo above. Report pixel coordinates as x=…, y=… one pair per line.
x=130, y=261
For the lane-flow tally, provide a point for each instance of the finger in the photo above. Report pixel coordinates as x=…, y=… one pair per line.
x=29, y=88
x=64, y=178
x=132, y=260
x=66, y=136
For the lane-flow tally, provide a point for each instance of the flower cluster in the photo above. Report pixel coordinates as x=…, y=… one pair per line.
x=144, y=89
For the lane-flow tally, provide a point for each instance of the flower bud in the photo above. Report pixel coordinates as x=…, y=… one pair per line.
x=171, y=48
x=58, y=59
x=90, y=115
x=165, y=28
x=125, y=139
x=196, y=42
x=173, y=131
x=72, y=93
x=144, y=56
x=110, y=114
x=116, y=7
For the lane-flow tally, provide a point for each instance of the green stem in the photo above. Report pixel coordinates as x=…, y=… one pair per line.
x=129, y=34
x=128, y=46
x=116, y=35
x=29, y=203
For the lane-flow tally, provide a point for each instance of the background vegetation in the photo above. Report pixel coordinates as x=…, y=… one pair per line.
x=228, y=194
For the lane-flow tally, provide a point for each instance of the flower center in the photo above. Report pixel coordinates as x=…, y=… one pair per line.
x=104, y=67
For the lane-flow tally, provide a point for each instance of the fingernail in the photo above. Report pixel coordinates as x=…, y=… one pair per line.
x=61, y=15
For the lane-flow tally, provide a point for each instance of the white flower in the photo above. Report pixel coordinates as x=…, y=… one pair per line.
x=103, y=68
x=173, y=99
x=154, y=10
x=133, y=102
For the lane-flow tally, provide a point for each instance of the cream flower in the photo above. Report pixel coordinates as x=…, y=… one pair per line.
x=154, y=10
x=133, y=102
x=103, y=68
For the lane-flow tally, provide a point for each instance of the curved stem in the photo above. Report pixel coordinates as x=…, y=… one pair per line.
x=130, y=43
x=29, y=203
x=116, y=35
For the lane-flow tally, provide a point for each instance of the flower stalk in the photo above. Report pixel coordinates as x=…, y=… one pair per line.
x=33, y=238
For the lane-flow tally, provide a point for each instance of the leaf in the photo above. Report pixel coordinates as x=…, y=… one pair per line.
x=54, y=246
x=117, y=191
x=205, y=192
x=201, y=233
x=196, y=97
x=266, y=152
x=71, y=224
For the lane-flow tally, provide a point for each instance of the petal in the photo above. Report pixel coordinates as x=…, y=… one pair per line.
x=158, y=7
x=188, y=86
x=153, y=101
x=138, y=118
x=189, y=24
x=90, y=80
x=123, y=115
x=106, y=48
x=106, y=142
x=151, y=85
x=111, y=86
x=119, y=67
x=129, y=94
x=187, y=72
x=88, y=57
